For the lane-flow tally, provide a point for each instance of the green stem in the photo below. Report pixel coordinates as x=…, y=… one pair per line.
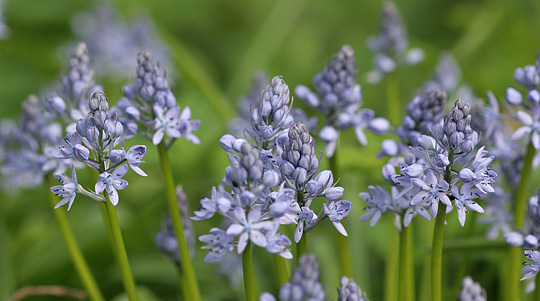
x=249, y=278
x=537, y=288
x=393, y=101
x=7, y=274
x=120, y=250
x=301, y=246
x=190, y=287
x=391, y=263
x=281, y=270
x=520, y=206
x=406, y=265
x=81, y=266
x=342, y=242
x=437, y=243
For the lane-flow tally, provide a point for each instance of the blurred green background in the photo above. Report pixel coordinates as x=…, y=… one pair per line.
x=228, y=41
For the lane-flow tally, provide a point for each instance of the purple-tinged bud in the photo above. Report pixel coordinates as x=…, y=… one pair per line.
x=81, y=152
x=426, y=142
x=133, y=113
x=515, y=239
x=271, y=178
x=313, y=188
x=247, y=198
x=328, y=134
x=413, y=171
x=513, y=96
x=533, y=97
x=278, y=209
x=456, y=138
x=325, y=178
x=379, y=125
x=56, y=104
x=438, y=132
x=117, y=155
x=334, y=194
x=287, y=169
x=299, y=176
x=389, y=147
x=442, y=160
x=530, y=241
x=81, y=127
x=129, y=92
x=466, y=175
x=147, y=92
x=266, y=131
x=387, y=172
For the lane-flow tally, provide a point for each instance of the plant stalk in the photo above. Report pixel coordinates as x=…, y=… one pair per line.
x=188, y=278
x=342, y=242
x=81, y=266
x=520, y=208
x=393, y=105
x=249, y=277
x=406, y=265
x=120, y=249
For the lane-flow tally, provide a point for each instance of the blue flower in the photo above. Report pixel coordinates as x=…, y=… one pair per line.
x=531, y=126
x=464, y=201
x=112, y=182
x=531, y=269
x=68, y=189
x=219, y=244
x=166, y=122
x=220, y=200
x=337, y=211
x=249, y=227
x=432, y=191
x=134, y=158
x=378, y=201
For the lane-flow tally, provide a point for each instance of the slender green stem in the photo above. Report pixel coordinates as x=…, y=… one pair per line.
x=393, y=105
x=342, y=242
x=120, y=249
x=281, y=270
x=301, y=247
x=190, y=287
x=436, y=254
x=406, y=265
x=6, y=271
x=520, y=206
x=249, y=277
x=391, y=264
x=437, y=243
x=81, y=266
x=537, y=291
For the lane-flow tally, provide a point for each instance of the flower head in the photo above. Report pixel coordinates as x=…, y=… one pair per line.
x=111, y=182
x=68, y=189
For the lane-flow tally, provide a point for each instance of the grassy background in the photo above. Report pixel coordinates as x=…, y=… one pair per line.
x=230, y=40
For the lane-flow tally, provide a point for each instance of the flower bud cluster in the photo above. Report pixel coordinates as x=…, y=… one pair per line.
x=471, y=291
x=432, y=172
x=150, y=103
x=423, y=112
x=350, y=291
x=528, y=113
x=272, y=180
x=390, y=46
x=304, y=284
x=338, y=97
x=271, y=119
x=166, y=240
x=94, y=144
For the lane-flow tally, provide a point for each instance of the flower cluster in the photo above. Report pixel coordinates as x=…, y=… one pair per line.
x=149, y=102
x=114, y=42
x=94, y=144
x=166, y=240
x=304, y=283
x=272, y=180
x=390, y=46
x=339, y=98
x=439, y=169
x=471, y=291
